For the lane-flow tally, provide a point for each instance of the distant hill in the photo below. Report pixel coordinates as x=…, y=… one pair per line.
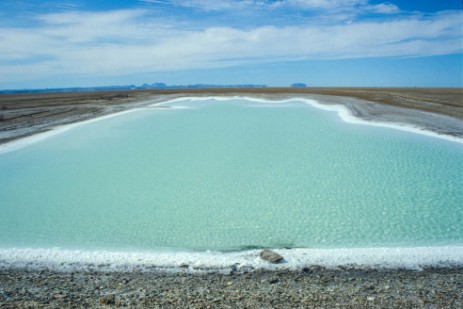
x=298, y=85
x=195, y=86
x=131, y=87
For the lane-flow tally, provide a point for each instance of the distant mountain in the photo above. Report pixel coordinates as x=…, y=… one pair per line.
x=195, y=86
x=131, y=87
x=70, y=89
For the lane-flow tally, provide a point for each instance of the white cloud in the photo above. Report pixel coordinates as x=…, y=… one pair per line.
x=337, y=5
x=130, y=42
x=206, y=5
x=321, y=4
x=384, y=8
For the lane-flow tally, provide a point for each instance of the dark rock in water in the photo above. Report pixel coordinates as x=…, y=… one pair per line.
x=270, y=256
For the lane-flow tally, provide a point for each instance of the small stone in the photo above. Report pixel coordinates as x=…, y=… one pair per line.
x=270, y=256
x=306, y=270
x=108, y=300
x=273, y=280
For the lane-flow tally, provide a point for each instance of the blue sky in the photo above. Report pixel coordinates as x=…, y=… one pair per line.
x=49, y=43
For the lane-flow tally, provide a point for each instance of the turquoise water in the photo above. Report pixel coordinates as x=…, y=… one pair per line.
x=231, y=175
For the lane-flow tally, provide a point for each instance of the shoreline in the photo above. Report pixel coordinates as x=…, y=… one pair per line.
x=24, y=115
x=355, y=111
x=350, y=110
x=232, y=262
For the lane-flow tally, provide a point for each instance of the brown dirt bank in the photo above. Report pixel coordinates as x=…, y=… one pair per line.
x=30, y=113
x=22, y=115
x=311, y=288
x=445, y=101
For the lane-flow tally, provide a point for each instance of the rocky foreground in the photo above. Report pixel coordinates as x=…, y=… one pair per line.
x=313, y=287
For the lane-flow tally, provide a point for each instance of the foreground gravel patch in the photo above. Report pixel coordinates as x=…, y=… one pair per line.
x=313, y=287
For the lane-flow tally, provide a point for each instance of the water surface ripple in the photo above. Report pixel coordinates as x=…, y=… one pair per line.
x=231, y=175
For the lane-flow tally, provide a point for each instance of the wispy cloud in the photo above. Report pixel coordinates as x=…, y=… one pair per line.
x=320, y=4
x=230, y=4
x=134, y=41
x=338, y=5
x=384, y=8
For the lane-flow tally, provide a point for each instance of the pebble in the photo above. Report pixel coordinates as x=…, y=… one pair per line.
x=270, y=256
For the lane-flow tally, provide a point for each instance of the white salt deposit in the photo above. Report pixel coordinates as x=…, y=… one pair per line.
x=294, y=259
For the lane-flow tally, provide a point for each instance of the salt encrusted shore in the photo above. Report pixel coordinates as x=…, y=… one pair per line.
x=437, y=110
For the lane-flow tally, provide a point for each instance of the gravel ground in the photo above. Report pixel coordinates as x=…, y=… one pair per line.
x=313, y=287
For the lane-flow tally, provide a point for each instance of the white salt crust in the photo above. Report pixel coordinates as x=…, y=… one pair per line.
x=415, y=258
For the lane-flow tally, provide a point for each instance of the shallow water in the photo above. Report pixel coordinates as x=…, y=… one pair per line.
x=231, y=175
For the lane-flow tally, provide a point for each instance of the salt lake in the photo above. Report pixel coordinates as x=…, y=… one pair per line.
x=231, y=175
